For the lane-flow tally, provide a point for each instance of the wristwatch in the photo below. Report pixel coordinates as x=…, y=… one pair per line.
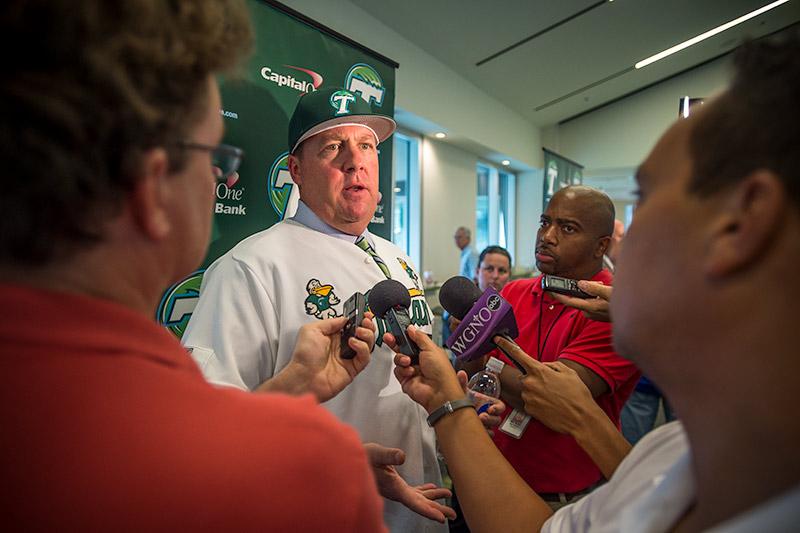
x=448, y=408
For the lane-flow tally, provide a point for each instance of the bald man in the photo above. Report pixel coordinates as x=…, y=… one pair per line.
x=574, y=234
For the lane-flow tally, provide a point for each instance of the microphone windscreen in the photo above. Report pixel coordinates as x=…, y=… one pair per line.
x=387, y=294
x=457, y=295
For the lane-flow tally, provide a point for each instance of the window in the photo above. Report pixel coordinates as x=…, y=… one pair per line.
x=482, y=208
x=495, y=209
x=406, y=195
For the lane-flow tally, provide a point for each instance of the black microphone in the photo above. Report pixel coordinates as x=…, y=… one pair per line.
x=483, y=317
x=389, y=300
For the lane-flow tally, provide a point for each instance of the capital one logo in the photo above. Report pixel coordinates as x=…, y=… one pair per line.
x=365, y=81
x=282, y=191
x=178, y=303
x=288, y=80
x=340, y=101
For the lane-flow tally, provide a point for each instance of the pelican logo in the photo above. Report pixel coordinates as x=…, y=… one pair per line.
x=282, y=191
x=178, y=303
x=321, y=299
x=365, y=81
x=494, y=302
x=340, y=101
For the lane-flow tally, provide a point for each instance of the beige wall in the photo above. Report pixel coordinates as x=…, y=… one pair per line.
x=622, y=134
x=529, y=209
x=449, y=192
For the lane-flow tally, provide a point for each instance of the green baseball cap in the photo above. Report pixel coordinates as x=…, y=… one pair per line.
x=321, y=110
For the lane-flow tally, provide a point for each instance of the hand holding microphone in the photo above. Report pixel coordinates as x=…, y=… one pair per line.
x=390, y=301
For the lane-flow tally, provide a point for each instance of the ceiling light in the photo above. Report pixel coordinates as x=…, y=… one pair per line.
x=505, y=162
x=706, y=35
x=440, y=135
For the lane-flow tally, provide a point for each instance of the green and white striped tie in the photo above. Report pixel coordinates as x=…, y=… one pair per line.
x=364, y=244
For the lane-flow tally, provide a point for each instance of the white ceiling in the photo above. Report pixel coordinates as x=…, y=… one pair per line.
x=583, y=62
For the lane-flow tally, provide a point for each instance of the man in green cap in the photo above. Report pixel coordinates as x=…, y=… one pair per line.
x=254, y=299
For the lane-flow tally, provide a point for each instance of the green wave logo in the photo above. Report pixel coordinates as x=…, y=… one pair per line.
x=178, y=303
x=365, y=81
x=281, y=189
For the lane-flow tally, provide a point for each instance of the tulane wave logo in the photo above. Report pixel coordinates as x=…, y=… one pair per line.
x=282, y=191
x=178, y=303
x=365, y=81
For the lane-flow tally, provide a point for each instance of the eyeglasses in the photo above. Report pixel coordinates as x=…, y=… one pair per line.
x=225, y=159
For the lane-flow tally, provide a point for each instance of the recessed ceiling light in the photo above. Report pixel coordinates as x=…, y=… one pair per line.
x=706, y=35
x=440, y=135
x=505, y=162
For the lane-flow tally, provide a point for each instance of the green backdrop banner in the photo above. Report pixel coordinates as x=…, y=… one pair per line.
x=559, y=172
x=291, y=57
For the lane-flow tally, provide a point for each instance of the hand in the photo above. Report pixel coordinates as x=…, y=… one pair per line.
x=420, y=499
x=316, y=364
x=453, y=322
x=596, y=308
x=433, y=381
x=553, y=393
x=490, y=418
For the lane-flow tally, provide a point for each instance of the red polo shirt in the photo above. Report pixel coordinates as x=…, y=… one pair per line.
x=108, y=425
x=547, y=460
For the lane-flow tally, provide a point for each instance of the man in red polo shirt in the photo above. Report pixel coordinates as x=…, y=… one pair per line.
x=574, y=234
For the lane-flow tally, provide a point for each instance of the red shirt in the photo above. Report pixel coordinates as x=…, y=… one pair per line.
x=547, y=460
x=107, y=424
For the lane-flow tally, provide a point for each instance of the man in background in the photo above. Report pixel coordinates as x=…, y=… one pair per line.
x=468, y=260
x=110, y=128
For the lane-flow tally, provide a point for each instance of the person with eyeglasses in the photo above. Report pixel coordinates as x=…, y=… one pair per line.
x=255, y=298
x=110, y=125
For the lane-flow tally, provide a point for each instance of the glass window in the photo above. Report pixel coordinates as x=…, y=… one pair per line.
x=495, y=209
x=506, y=211
x=482, y=208
x=406, y=195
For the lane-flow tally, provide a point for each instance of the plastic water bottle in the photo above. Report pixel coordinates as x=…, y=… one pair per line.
x=484, y=387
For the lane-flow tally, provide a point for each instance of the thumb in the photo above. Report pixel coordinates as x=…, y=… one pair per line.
x=462, y=379
x=382, y=456
x=513, y=350
x=595, y=289
x=420, y=338
x=329, y=326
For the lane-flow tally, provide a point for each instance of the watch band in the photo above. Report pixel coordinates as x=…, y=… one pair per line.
x=448, y=408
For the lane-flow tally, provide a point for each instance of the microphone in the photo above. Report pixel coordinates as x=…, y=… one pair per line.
x=483, y=316
x=389, y=300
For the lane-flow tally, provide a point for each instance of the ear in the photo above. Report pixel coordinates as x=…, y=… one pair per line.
x=602, y=246
x=294, y=170
x=149, y=197
x=750, y=218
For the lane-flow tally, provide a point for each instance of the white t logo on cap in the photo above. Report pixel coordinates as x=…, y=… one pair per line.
x=341, y=100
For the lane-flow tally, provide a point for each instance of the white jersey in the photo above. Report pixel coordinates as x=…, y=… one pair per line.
x=252, y=303
x=653, y=488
